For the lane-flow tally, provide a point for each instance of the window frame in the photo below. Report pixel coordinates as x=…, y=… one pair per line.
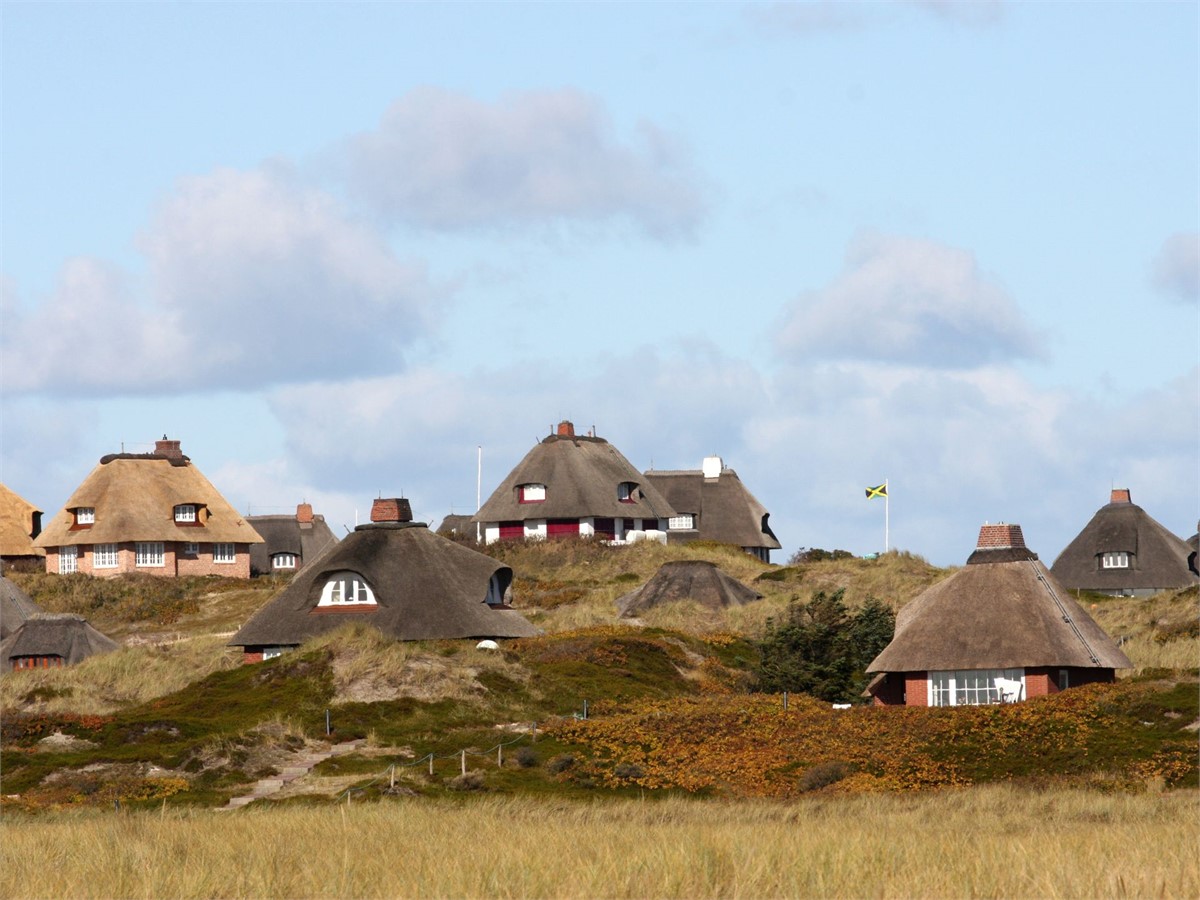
x=674, y=523
x=145, y=552
x=531, y=492
x=1114, y=559
x=334, y=593
x=224, y=553
x=626, y=492
x=187, y=514
x=85, y=515
x=106, y=556
x=68, y=559
x=292, y=558
x=971, y=687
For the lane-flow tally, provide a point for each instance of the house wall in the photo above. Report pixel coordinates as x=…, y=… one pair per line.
x=174, y=562
x=1044, y=680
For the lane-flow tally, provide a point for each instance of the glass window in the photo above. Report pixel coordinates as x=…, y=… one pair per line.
x=105, y=556
x=346, y=589
x=68, y=560
x=976, y=687
x=185, y=512
x=1115, y=560
x=191, y=548
x=531, y=493
x=149, y=554
x=681, y=523
x=625, y=491
x=85, y=515
x=223, y=553
x=283, y=561
x=271, y=652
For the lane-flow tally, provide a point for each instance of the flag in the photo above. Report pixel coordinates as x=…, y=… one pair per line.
x=880, y=491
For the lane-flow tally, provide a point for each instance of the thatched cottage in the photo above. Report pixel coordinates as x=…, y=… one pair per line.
x=148, y=512
x=1124, y=552
x=998, y=630
x=573, y=485
x=15, y=607
x=690, y=579
x=51, y=640
x=289, y=542
x=712, y=504
x=20, y=524
x=395, y=575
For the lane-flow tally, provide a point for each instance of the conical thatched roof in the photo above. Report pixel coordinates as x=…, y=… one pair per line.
x=20, y=523
x=15, y=607
x=1002, y=610
x=724, y=508
x=1157, y=559
x=134, y=496
x=425, y=586
x=581, y=475
x=691, y=579
x=55, y=634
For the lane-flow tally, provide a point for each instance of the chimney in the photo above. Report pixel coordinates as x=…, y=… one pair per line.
x=304, y=513
x=566, y=429
x=392, y=509
x=1120, y=495
x=169, y=449
x=712, y=466
x=1000, y=537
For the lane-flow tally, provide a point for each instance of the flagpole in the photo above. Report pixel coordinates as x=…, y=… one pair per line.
x=887, y=499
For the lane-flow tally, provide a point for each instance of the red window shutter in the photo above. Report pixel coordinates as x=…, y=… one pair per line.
x=512, y=531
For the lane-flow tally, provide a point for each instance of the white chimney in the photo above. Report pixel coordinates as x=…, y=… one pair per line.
x=712, y=466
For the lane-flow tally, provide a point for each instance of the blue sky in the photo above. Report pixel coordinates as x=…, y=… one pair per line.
x=333, y=248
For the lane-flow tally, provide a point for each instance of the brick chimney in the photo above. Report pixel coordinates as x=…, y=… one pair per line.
x=304, y=514
x=1120, y=495
x=1000, y=537
x=566, y=429
x=392, y=509
x=167, y=448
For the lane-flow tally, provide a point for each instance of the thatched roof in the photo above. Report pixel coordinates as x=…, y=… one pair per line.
x=15, y=607
x=1002, y=610
x=288, y=534
x=581, y=475
x=135, y=495
x=20, y=522
x=458, y=523
x=55, y=634
x=1158, y=559
x=425, y=586
x=690, y=579
x=724, y=508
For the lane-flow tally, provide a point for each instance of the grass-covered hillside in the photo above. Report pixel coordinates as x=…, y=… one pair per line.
x=174, y=717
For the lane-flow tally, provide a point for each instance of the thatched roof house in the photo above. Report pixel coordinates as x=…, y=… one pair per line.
x=459, y=525
x=289, y=542
x=573, y=485
x=393, y=574
x=148, y=512
x=20, y=523
x=15, y=607
x=1124, y=552
x=49, y=640
x=999, y=629
x=691, y=579
x=712, y=504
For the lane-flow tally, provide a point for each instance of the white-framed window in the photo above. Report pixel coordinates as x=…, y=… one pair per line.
x=185, y=512
x=681, y=523
x=149, y=554
x=1117, y=559
x=191, y=548
x=531, y=493
x=105, y=556
x=85, y=515
x=625, y=491
x=346, y=589
x=283, y=561
x=68, y=560
x=976, y=687
x=223, y=553
x=271, y=652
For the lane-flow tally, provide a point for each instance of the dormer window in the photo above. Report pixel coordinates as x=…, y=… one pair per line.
x=344, y=589
x=85, y=515
x=1118, y=559
x=495, y=594
x=185, y=513
x=627, y=492
x=531, y=493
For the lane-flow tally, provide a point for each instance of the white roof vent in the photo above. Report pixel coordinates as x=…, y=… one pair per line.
x=712, y=466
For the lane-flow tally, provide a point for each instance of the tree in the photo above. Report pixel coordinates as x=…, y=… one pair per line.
x=821, y=648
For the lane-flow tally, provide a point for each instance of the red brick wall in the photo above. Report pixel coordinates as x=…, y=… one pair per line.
x=251, y=656
x=1046, y=679
x=174, y=562
x=916, y=689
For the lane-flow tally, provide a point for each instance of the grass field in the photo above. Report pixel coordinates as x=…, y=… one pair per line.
x=995, y=841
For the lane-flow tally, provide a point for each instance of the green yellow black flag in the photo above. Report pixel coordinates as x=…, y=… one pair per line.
x=880, y=491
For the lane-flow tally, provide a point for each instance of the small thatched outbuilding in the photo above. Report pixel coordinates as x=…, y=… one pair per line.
x=289, y=542
x=395, y=575
x=50, y=640
x=1124, y=552
x=15, y=607
x=691, y=579
x=998, y=630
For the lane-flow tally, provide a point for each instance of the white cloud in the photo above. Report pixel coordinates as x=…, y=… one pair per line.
x=251, y=279
x=1177, y=267
x=907, y=300
x=443, y=160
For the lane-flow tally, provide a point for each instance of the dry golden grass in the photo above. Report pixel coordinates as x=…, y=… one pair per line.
x=984, y=842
